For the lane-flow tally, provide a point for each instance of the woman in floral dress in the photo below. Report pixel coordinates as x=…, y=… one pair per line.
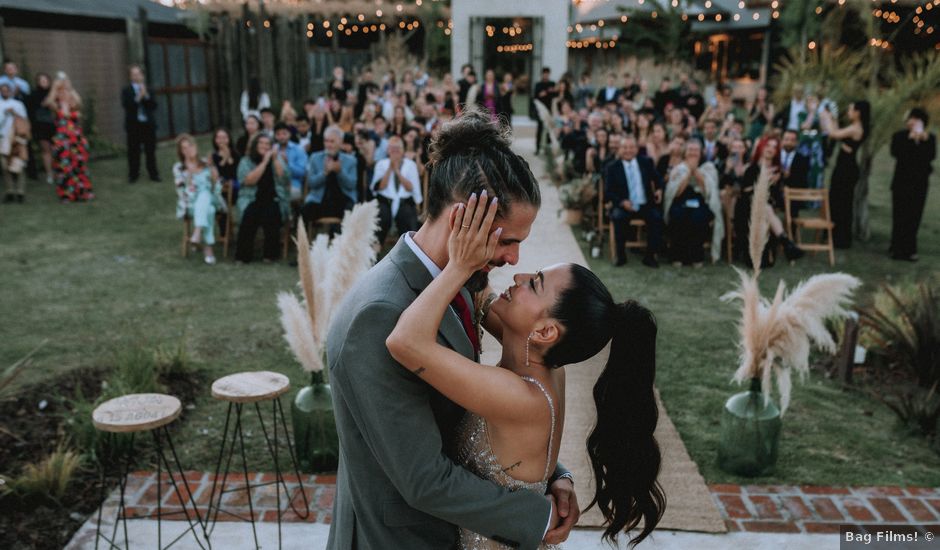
x=69, y=146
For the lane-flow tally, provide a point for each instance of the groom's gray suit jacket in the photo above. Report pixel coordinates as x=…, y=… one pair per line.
x=396, y=487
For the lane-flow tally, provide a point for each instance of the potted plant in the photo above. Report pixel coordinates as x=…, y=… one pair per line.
x=575, y=196
x=327, y=272
x=776, y=336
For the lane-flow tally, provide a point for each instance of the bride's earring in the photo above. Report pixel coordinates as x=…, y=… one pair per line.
x=527, y=349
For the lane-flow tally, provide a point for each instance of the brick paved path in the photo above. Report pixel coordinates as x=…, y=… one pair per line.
x=757, y=508
x=813, y=509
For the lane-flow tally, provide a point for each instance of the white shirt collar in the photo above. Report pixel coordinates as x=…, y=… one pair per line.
x=432, y=267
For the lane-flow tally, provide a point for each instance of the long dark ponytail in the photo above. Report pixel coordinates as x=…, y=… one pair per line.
x=624, y=453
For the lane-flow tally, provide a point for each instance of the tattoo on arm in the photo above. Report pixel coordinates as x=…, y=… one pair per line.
x=512, y=467
x=419, y=370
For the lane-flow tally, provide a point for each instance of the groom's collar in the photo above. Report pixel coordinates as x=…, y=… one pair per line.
x=432, y=267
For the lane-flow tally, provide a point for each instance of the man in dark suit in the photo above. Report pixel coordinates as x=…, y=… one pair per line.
x=544, y=91
x=609, y=94
x=713, y=150
x=914, y=148
x=794, y=165
x=140, y=125
x=635, y=190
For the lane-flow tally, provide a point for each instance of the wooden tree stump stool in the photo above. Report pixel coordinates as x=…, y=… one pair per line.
x=252, y=388
x=131, y=414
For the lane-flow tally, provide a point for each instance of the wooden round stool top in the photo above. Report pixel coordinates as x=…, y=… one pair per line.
x=249, y=387
x=136, y=412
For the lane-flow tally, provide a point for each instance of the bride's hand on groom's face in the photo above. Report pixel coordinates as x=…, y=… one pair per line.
x=471, y=244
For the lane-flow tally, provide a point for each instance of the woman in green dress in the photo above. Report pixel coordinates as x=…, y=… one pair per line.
x=199, y=194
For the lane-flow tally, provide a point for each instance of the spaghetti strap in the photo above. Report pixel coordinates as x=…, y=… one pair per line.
x=551, y=434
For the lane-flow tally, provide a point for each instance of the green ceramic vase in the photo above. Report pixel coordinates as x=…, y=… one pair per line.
x=750, y=433
x=315, y=427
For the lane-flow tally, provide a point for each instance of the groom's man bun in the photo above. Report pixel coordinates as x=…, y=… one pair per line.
x=471, y=153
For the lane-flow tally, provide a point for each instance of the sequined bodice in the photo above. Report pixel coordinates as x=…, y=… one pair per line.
x=475, y=453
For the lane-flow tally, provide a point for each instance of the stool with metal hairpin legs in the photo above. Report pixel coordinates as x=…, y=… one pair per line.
x=252, y=388
x=131, y=414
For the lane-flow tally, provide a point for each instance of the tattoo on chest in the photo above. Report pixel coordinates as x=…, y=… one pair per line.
x=419, y=370
x=512, y=467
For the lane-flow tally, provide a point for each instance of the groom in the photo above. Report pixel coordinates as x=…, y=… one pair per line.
x=397, y=486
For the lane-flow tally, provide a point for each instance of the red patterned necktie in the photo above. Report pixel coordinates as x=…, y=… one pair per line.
x=466, y=318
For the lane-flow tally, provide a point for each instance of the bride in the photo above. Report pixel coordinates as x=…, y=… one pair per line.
x=546, y=320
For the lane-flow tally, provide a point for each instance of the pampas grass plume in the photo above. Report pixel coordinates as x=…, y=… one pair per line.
x=299, y=333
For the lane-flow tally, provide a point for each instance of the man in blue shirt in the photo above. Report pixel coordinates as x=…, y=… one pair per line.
x=294, y=157
x=10, y=77
x=331, y=179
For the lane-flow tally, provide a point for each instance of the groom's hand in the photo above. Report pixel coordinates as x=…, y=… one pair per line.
x=567, y=510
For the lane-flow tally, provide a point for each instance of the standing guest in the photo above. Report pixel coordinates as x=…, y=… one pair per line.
x=331, y=179
x=293, y=156
x=339, y=86
x=692, y=200
x=635, y=191
x=397, y=187
x=465, y=83
x=69, y=146
x=760, y=114
x=318, y=125
x=584, y=92
x=14, y=140
x=609, y=93
x=665, y=95
x=252, y=128
x=199, y=194
x=367, y=87
x=544, y=92
x=11, y=75
x=792, y=114
x=506, y=89
x=42, y=120
x=488, y=96
x=264, y=199
x=562, y=95
x=846, y=172
x=268, y=120
x=140, y=125
x=399, y=124
x=253, y=99
x=914, y=148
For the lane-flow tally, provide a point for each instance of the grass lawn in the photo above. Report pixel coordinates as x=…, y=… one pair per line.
x=103, y=278
x=830, y=435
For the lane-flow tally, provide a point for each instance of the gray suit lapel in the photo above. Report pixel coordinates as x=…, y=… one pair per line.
x=418, y=278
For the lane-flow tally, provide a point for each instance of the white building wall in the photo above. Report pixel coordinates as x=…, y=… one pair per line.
x=554, y=13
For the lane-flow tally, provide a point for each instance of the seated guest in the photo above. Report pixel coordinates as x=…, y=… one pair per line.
x=673, y=157
x=713, y=150
x=331, y=179
x=199, y=192
x=397, y=186
x=263, y=200
x=794, y=163
x=294, y=158
x=268, y=120
x=225, y=159
x=765, y=158
x=304, y=135
x=732, y=177
x=380, y=129
x=365, y=164
x=635, y=190
x=691, y=202
x=599, y=154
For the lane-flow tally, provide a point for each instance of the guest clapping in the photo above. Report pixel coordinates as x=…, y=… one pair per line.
x=140, y=125
x=294, y=157
x=199, y=194
x=331, y=179
x=263, y=200
x=692, y=201
x=397, y=187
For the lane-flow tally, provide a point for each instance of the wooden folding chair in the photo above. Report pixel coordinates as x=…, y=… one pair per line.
x=228, y=226
x=229, y=193
x=606, y=227
x=821, y=223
